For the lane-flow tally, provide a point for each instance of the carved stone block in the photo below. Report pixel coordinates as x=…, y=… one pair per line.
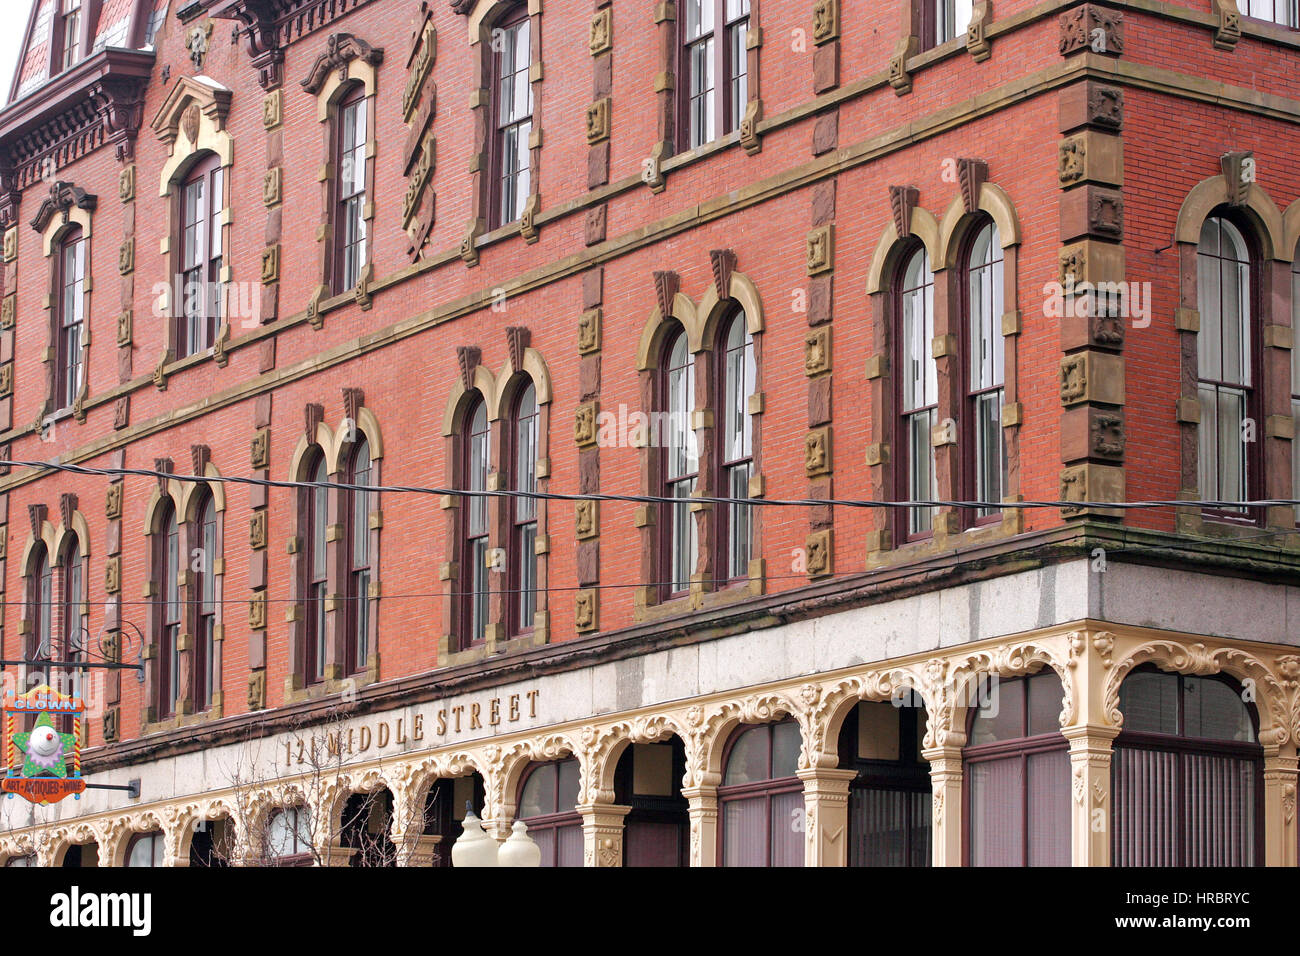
x=273, y=109
x=11, y=245
x=1089, y=432
x=113, y=501
x=1092, y=377
x=1092, y=211
x=113, y=574
x=8, y=311
x=586, y=519
x=817, y=452
x=260, y=451
x=589, y=331
x=272, y=182
x=257, y=536
x=817, y=549
x=817, y=351
x=601, y=38
x=598, y=119
x=1092, y=29
x=1092, y=105
x=126, y=257
x=1094, y=483
x=124, y=323
x=126, y=183
x=1091, y=156
x=586, y=613
x=257, y=612
x=257, y=690
x=584, y=424
x=819, y=251
x=826, y=21
x=271, y=264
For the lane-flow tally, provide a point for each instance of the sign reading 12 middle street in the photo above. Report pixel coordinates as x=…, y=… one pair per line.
x=43, y=763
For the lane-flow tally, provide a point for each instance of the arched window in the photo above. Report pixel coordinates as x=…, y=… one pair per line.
x=41, y=607
x=314, y=509
x=1226, y=380
x=761, y=800
x=1295, y=378
x=522, y=591
x=1281, y=12
x=943, y=20
x=986, y=456
x=889, y=800
x=736, y=374
x=474, y=525
x=714, y=68
x=72, y=641
x=918, y=388
x=512, y=116
x=145, y=849
x=1017, y=771
x=680, y=541
x=200, y=199
x=356, y=512
x=167, y=609
x=350, y=137
x=203, y=546
x=548, y=801
x=288, y=837
x=648, y=778
x=71, y=318
x=1187, y=773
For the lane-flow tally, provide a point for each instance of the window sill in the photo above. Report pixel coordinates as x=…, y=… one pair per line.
x=947, y=538
x=494, y=645
x=1278, y=529
x=698, y=599
x=295, y=692
x=178, y=721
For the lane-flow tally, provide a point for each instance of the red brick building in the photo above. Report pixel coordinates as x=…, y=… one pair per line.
x=720, y=252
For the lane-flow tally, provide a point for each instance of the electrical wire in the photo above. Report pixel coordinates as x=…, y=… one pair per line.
x=644, y=499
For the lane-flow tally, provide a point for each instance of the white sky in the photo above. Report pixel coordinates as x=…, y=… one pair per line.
x=15, y=14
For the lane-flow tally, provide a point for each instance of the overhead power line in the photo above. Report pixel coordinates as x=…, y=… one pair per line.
x=642, y=499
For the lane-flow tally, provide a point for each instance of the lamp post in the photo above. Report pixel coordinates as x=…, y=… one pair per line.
x=476, y=847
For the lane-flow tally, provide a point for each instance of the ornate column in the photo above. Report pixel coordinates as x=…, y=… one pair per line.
x=1090, y=732
x=946, y=813
x=602, y=833
x=704, y=824
x=826, y=816
x=1280, y=778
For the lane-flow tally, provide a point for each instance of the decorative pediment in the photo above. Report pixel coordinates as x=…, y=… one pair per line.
x=62, y=198
x=189, y=92
x=340, y=50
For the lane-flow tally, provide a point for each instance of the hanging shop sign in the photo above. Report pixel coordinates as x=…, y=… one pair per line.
x=43, y=764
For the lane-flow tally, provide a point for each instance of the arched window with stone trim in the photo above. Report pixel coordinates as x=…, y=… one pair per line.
x=890, y=799
x=1295, y=378
x=917, y=385
x=983, y=371
x=349, y=136
x=521, y=516
x=1187, y=773
x=167, y=609
x=145, y=849
x=200, y=200
x=1228, y=379
x=1017, y=774
x=510, y=56
x=72, y=638
x=760, y=801
x=69, y=317
x=40, y=605
x=734, y=377
x=473, y=477
x=357, y=505
x=680, y=464
x=548, y=805
x=313, y=518
x=203, y=563
x=288, y=839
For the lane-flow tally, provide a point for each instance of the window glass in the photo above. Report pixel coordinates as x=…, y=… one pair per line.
x=1214, y=710
x=1045, y=699
x=785, y=749
x=748, y=760
x=1149, y=702
x=1281, y=12
x=538, y=799
x=1001, y=712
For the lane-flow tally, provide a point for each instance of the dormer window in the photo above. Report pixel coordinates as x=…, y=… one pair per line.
x=70, y=30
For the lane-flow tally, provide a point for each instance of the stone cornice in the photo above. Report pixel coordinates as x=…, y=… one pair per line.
x=97, y=101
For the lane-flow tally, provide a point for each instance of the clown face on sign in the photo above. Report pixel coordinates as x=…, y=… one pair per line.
x=46, y=749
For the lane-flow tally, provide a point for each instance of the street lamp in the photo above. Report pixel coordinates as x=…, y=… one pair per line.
x=477, y=848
